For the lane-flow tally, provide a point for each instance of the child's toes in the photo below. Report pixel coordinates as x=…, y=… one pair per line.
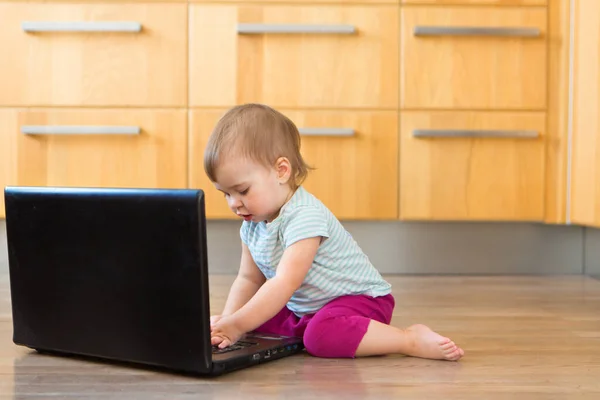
x=448, y=346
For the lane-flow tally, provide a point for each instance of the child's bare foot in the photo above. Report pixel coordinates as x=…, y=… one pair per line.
x=426, y=343
x=416, y=340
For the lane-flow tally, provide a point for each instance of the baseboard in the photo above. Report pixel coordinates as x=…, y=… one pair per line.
x=3, y=248
x=592, y=252
x=438, y=248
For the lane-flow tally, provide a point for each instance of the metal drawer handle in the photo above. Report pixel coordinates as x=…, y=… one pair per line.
x=474, y=133
x=79, y=130
x=74, y=26
x=294, y=29
x=474, y=31
x=326, y=131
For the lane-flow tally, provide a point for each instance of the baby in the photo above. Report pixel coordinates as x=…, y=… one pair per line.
x=301, y=273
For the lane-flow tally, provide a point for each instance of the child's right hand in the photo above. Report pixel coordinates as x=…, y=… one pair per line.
x=214, y=319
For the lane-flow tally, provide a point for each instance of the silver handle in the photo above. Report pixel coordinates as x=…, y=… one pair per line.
x=74, y=26
x=294, y=28
x=474, y=31
x=326, y=131
x=79, y=130
x=474, y=133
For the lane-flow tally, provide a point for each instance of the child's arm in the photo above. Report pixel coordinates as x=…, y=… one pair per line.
x=245, y=285
x=272, y=295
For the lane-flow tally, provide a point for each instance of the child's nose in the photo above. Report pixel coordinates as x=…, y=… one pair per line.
x=234, y=202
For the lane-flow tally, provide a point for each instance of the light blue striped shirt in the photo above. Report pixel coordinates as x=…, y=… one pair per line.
x=340, y=267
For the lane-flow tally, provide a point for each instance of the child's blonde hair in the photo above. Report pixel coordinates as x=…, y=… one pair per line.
x=261, y=134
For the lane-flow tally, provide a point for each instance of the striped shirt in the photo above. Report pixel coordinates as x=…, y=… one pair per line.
x=339, y=268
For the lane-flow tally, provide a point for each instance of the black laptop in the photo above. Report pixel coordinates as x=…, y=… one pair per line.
x=119, y=274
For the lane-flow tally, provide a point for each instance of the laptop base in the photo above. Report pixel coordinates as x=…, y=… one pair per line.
x=269, y=348
x=218, y=368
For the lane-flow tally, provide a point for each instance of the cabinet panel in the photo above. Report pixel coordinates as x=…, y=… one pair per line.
x=356, y=173
x=94, y=148
x=107, y=1
x=136, y=54
x=473, y=58
x=253, y=53
x=472, y=166
x=585, y=175
x=479, y=2
x=300, y=2
x=7, y=153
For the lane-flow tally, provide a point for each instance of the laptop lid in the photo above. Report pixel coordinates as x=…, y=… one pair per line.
x=114, y=273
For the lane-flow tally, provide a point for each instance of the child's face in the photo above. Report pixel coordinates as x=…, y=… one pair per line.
x=253, y=191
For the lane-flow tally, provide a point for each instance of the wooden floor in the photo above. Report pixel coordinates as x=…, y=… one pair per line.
x=524, y=337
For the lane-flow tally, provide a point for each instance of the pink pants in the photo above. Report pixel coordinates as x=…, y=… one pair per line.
x=336, y=330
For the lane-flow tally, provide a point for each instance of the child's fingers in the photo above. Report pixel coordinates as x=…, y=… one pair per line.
x=221, y=341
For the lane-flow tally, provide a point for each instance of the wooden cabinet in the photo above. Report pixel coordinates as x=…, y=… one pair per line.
x=473, y=58
x=473, y=101
x=109, y=147
x=585, y=175
x=294, y=56
x=354, y=155
x=136, y=55
x=428, y=88
x=471, y=165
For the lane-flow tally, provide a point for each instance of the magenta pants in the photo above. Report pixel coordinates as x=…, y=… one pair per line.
x=336, y=330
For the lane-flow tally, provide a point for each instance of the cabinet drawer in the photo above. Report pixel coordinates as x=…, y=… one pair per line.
x=473, y=58
x=93, y=148
x=134, y=55
x=356, y=160
x=294, y=56
x=472, y=165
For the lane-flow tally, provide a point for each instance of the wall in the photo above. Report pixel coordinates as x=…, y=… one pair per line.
x=445, y=248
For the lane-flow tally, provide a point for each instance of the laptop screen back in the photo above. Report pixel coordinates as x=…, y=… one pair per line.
x=114, y=273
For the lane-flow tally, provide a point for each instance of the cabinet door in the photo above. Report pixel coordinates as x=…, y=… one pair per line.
x=585, y=177
x=472, y=166
x=298, y=56
x=355, y=156
x=473, y=58
x=106, y=148
x=136, y=55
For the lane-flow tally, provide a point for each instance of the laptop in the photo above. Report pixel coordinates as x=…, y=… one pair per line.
x=120, y=274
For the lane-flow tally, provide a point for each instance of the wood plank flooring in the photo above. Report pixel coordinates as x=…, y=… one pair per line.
x=524, y=338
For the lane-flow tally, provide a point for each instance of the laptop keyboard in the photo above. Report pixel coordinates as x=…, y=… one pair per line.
x=237, y=346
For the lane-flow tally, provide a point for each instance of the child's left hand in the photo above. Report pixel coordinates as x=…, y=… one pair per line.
x=225, y=332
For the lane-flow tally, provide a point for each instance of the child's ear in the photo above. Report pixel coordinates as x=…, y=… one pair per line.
x=284, y=169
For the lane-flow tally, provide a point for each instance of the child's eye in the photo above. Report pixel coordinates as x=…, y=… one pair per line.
x=244, y=192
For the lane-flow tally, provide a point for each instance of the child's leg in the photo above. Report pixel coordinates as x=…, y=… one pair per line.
x=359, y=326
x=416, y=341
x=284, y=323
